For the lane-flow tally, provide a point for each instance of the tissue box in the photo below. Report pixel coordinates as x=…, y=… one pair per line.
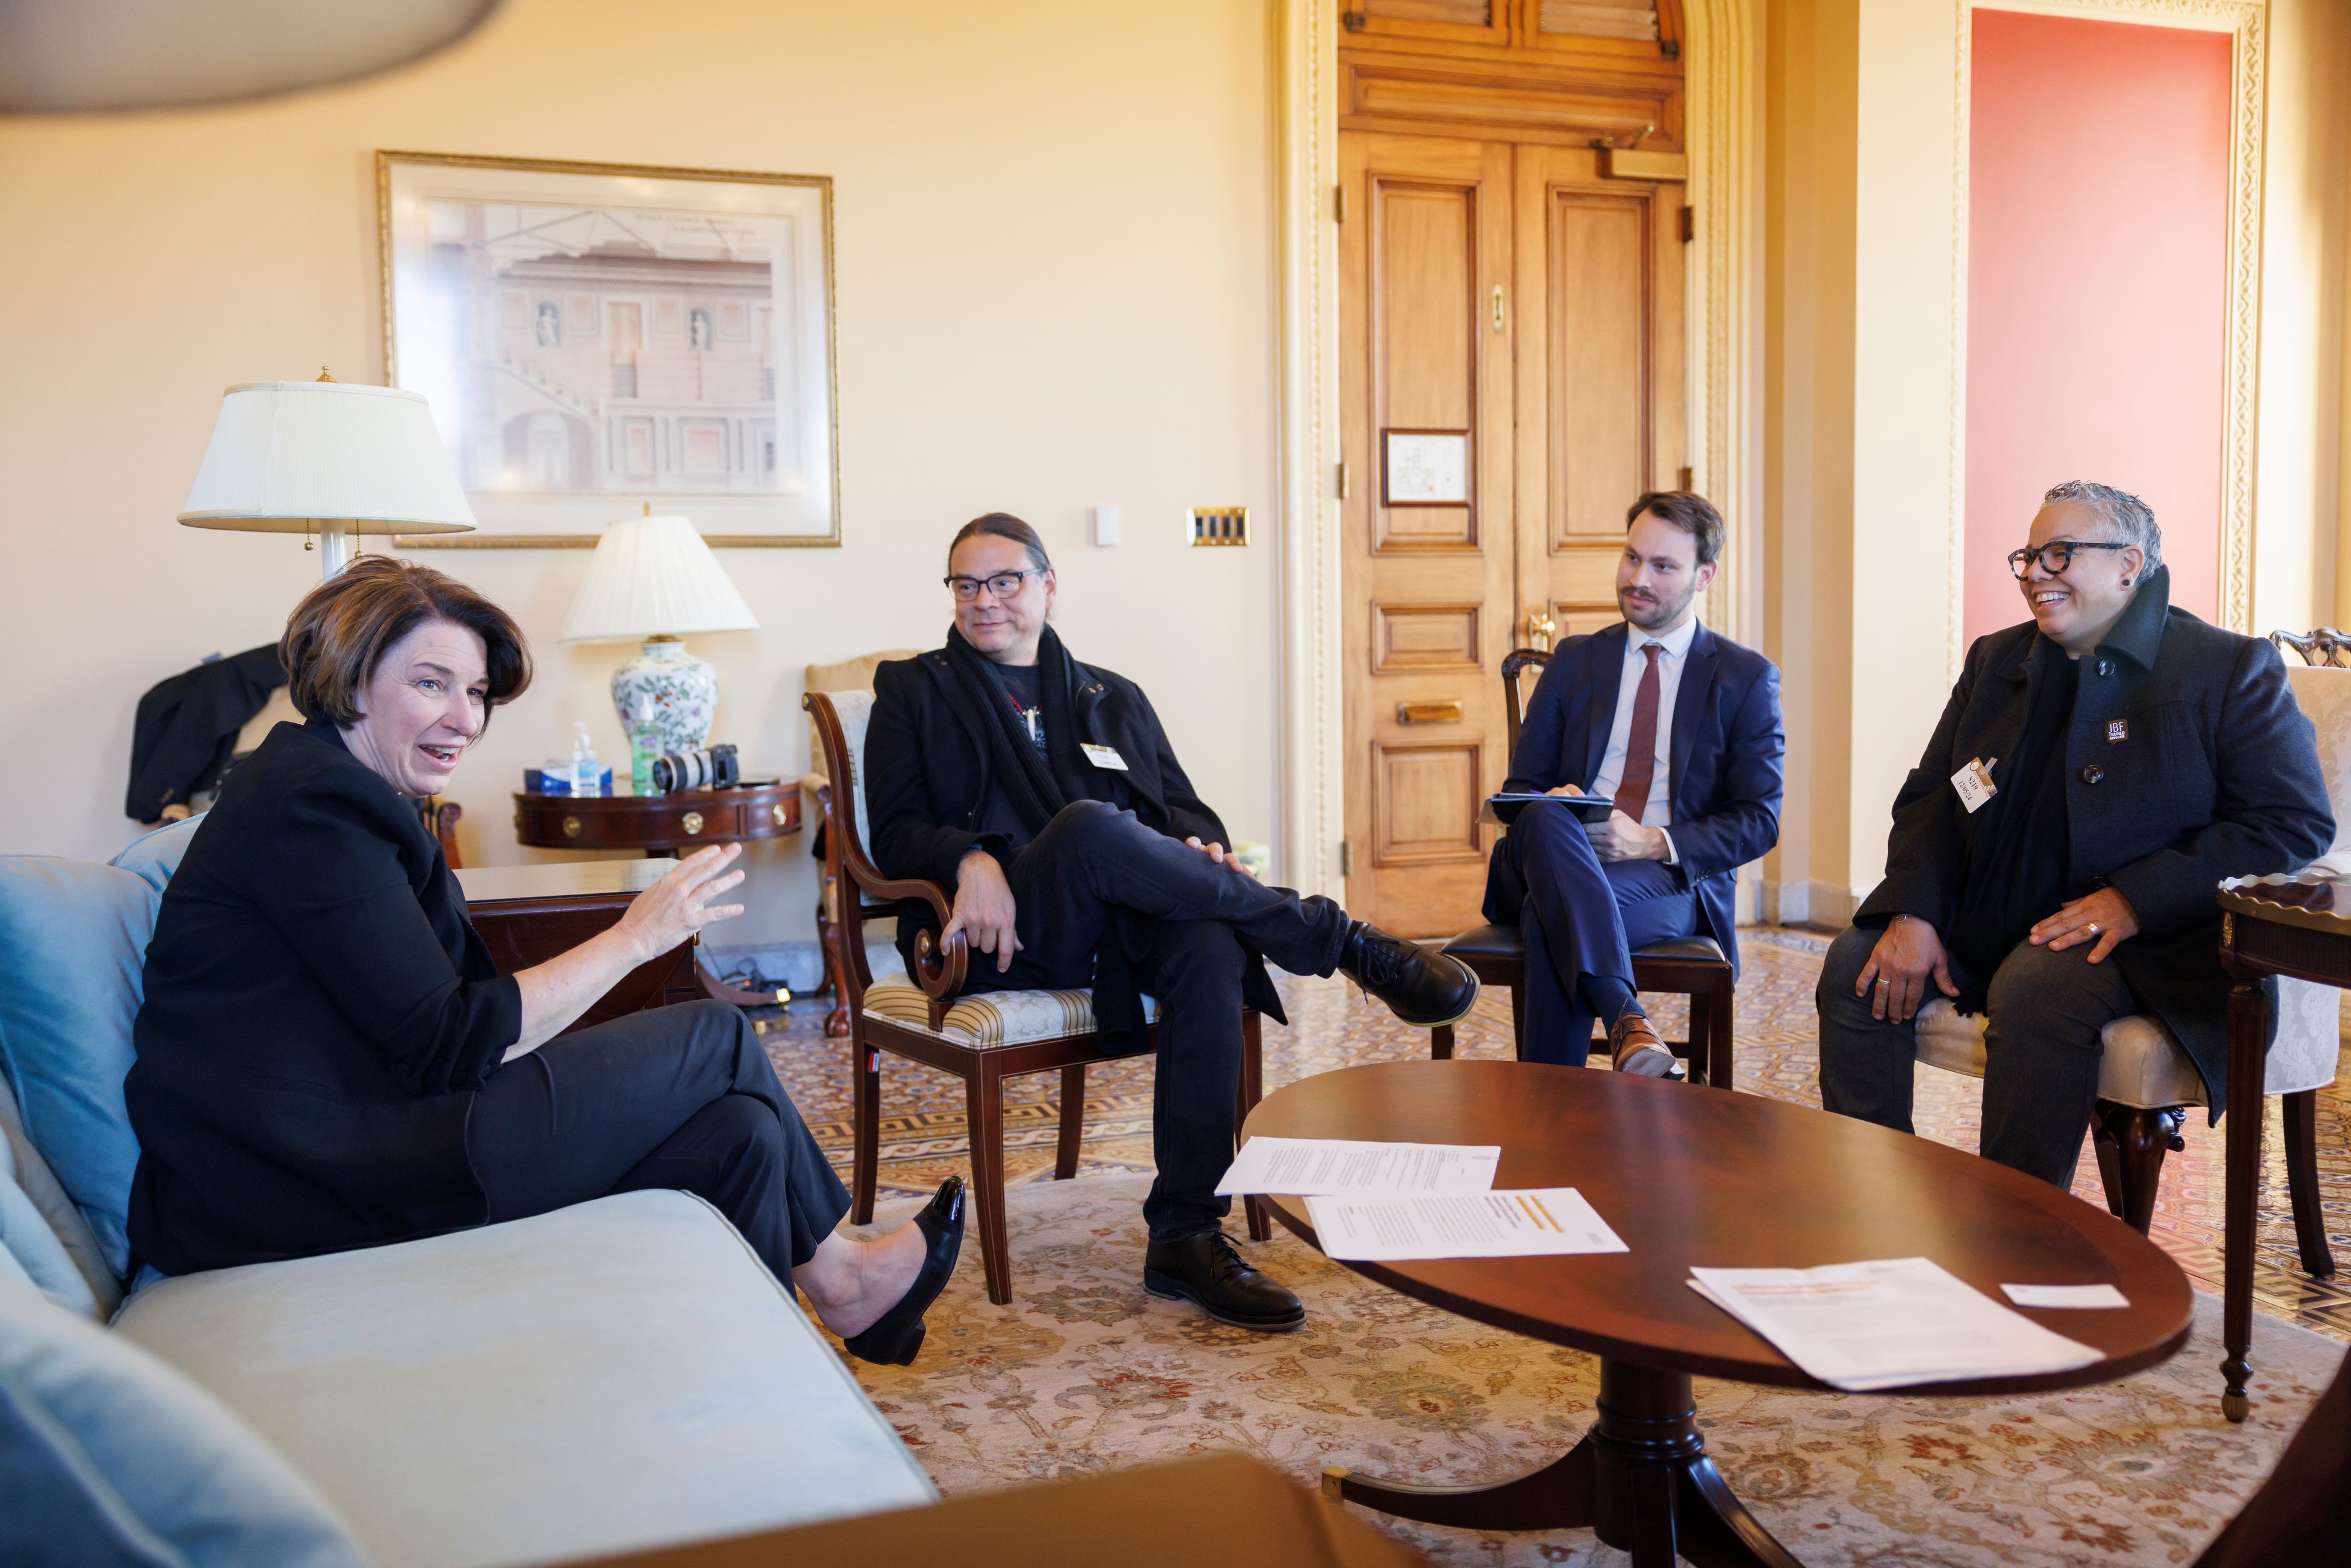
x=549, y=780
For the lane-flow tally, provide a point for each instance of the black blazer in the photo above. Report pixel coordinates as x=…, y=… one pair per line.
x=2213, y=773
x=927, y=773
x=1724, y=753
x=318, y=1013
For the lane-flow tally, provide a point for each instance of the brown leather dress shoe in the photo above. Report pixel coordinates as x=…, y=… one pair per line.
x=1633, y=1047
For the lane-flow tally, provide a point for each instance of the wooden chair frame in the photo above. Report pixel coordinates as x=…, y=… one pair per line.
x=1708, y=983
x=865, y=895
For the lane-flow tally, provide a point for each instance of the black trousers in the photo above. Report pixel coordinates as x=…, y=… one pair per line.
x=2045, y=1014
x=1094, y=868
x=677, y=1097
x=1584, y=917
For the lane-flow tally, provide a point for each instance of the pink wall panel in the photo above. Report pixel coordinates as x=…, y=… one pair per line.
x=2097, y=256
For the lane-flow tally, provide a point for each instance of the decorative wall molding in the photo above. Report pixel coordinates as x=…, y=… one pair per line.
x=1725, y=277
x=2247, y=24
x=1312, y=734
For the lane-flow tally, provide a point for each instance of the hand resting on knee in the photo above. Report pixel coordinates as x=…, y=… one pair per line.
x=1894, y=978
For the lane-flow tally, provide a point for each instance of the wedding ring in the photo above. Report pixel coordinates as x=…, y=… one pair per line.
x=2093, y=928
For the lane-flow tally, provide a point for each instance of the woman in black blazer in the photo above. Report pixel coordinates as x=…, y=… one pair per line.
x=328, y=1058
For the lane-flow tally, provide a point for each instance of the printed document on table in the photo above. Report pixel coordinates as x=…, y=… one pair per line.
x=1315, y=1166
x=1531, y=1223
x=1883, y=1324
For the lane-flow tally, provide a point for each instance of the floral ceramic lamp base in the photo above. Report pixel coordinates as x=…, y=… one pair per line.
x=683, y=688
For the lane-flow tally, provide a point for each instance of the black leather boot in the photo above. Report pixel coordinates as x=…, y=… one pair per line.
x=1421, y=986
x=1207, y=1270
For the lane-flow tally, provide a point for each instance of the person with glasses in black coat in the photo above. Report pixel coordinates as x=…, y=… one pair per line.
x=2098, y=770
x=1045, y=795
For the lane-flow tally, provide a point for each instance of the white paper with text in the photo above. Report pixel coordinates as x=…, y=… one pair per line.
x=1887, y=1323
x=1311, y=1167
x=1529, y=1223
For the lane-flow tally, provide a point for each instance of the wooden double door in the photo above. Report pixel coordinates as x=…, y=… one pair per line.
x=1512, y=377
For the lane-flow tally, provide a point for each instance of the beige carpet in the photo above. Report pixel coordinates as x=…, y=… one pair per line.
x=1084, y=1371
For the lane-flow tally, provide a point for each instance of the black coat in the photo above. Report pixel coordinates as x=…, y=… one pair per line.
x=318, y=1013
x=928, y=774
x=1726, y=755
x=2213, y=773
x=187, y=725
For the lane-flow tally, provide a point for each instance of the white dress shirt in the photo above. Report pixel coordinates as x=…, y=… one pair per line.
x=1674, y=655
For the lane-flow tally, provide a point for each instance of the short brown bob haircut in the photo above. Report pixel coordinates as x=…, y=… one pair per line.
x=1688, y=511
x=342, y=629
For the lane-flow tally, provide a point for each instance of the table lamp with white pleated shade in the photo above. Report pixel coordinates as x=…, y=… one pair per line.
x=654, y=580
x=328, y=458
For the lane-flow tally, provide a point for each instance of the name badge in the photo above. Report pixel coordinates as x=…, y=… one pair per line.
x=1974, y=784
x=1104, y=756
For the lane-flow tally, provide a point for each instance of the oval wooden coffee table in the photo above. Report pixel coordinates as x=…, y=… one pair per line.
x=1687, y=1174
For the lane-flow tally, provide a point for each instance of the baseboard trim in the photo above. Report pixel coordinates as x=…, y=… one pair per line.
x=1822, y=905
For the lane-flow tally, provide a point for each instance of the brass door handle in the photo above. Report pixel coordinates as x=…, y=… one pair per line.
x=1540, y=628
x=1448, y=712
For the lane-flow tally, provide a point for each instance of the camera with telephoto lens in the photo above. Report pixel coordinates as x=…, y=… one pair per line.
x=712, y=767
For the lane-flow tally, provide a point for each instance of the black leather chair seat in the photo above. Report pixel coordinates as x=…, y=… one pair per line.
x=1504, y=942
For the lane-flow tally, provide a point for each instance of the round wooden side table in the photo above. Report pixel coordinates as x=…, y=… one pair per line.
x=670, y=824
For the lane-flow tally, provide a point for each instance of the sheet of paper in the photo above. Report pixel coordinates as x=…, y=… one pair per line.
x=1529, y=1223
x=2066, y=1296
x=1317, y=1167
x=1887, y=1323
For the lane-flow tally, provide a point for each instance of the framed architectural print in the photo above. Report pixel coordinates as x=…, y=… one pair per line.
x=594, y=336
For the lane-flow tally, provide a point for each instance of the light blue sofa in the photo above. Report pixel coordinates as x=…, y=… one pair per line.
x=621, y=1374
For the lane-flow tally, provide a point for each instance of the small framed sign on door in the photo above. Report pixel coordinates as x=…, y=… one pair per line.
x=1425, y=468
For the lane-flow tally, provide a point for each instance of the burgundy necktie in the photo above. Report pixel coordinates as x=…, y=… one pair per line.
x=1641, y=745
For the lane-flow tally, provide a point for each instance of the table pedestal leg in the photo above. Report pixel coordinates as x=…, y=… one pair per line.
x=1640, y=1479
x=2249, y=1029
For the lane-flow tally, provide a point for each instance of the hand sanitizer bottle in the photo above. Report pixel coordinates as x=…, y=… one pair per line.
x=586, y=773
x=644, y=748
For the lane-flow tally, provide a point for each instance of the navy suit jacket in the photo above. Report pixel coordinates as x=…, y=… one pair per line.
x=1725, y=752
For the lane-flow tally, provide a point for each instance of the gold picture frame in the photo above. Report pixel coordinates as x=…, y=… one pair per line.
x=600, y=336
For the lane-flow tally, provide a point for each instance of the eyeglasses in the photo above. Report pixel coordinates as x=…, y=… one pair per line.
x=1003, y=584
x=2056, y=557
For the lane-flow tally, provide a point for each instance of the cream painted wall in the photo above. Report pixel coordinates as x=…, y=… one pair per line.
x=1054, y=290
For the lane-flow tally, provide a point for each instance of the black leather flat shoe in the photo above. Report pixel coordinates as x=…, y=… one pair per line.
x=898, y=1334
x=1207, y=1270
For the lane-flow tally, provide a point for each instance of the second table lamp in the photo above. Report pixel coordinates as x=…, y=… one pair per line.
x=654, y=580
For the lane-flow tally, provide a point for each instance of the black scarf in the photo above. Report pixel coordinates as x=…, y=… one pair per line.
x=2020, y=870
x=1038, y=785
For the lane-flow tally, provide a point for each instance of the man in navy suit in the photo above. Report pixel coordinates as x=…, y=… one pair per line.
x=1681, y=729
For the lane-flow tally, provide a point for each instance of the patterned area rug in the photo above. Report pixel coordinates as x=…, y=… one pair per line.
x=1084, y=1371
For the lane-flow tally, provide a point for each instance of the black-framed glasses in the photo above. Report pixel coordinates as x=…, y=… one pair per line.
x=1002, y=584
x=2056, y=557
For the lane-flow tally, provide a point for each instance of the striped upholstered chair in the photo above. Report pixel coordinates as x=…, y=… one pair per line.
x=982, y=1040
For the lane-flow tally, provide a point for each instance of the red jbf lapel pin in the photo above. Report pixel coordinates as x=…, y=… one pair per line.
x=2117, y=730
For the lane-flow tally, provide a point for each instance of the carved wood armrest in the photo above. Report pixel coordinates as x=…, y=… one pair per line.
x=939, y=970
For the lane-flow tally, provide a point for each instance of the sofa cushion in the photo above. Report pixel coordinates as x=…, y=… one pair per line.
x=154, y=857
x=54, y=1246
x=73, y=938
x=616, y=1375
x=107, y=1456
x=993, y=1019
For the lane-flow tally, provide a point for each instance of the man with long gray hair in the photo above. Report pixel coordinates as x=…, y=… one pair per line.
x=2096, y=771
